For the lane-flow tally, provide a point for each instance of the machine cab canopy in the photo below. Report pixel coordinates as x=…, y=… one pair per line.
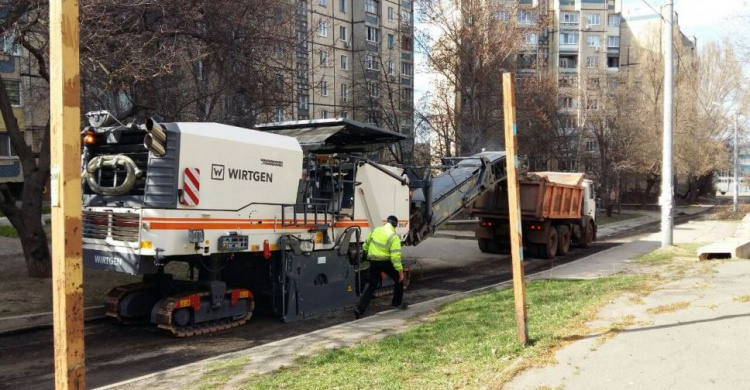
x=335, y=135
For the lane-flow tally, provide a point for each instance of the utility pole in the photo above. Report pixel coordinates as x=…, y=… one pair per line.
x=667, y=183
x=736, y=165
x=514, y=207
x=65, y=193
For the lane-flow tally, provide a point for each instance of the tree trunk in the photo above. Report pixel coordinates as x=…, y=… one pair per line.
x=36, y=248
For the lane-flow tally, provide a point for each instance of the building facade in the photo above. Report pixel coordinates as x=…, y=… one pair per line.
x=355, y=59
x=28, y=98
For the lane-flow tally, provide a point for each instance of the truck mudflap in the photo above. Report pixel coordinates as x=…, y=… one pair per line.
x=118, y=259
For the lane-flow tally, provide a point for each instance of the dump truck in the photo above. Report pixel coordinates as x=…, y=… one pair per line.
x=557, y=209
x=273, y=216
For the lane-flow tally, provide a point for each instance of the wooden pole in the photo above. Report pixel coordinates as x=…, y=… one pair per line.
x=514, y=206
x=65, y=192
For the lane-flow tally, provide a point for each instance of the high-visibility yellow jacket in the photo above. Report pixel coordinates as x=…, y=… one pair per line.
x=383, y=244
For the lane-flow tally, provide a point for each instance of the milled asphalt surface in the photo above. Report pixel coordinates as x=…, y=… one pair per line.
x=269, y=357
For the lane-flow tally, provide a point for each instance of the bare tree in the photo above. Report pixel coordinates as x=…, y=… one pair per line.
x=468, y=45
x=204, y=60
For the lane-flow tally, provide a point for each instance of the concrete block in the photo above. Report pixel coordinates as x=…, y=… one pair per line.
x=734, y=248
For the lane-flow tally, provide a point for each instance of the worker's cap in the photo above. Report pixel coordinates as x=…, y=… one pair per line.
x=392, y=220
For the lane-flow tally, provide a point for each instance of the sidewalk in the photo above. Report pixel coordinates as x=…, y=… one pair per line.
x=270, y=357
x=691, y=333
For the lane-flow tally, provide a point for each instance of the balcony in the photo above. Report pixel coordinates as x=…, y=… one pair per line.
x=569, y=47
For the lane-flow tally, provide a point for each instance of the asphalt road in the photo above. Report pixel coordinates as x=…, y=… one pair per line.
x=115, y=353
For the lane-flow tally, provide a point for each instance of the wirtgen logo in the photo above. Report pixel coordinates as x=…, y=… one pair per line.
x=217, y=172
x=107, y=260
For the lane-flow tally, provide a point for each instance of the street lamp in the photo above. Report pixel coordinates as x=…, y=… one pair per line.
x=736, y=196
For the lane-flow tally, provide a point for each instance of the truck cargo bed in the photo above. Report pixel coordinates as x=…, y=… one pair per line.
x=543, y=195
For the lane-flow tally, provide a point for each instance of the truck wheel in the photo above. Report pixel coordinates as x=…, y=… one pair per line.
x=483, y=245
x=488, y=246
x=549, y=250
x=563, y=239
x=587, y=236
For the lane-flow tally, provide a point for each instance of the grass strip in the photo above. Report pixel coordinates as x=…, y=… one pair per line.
x=8, y=231
x=466, y=344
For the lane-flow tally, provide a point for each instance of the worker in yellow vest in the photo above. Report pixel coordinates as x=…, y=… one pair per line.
x=382, y=249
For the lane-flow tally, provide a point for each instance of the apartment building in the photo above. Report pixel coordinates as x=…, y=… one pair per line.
x=26, y=99
x=355, y=59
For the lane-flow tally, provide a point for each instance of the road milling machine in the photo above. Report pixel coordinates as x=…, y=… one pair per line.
x=272, y=217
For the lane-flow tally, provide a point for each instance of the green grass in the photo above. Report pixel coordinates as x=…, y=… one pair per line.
x=221, y=373
x=666, y=255
x=466, y=344
x=8, y=231
x=602, y=219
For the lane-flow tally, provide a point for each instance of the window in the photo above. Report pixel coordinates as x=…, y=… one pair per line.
x=569, y=123
x=613, y=84
x=566, y=102
x=370, y=62
x=590, y=145
x=391, y=13
x=324, y=114
x=6, y=148
x=569, y=38
x=343, y=36
x=14, y=91
x=391, y=41
x=322, y=2
x=568, y=62
x=614, y=20
x=373, y=34
x=524, y=17
x=303, y=102
x=323, y=28
x=568, y=81
x=9, y=45
x=568, y=18
x=613, y=62
x=406, y=43
x=407, y=69
x=391, y=68
x=407, y=94
x=592, y=83
x=342, y=6
x=406, y=17
x=323, y=58
x=502, y=15
x=531, y=38
x=371, y=6
x=280, y=115
x=593, y=41
x=592, y=62
x=613, y=42
x=374, y=90
x=593, y=20
x=324, y=88
x=344, y=62
x=345, y=114
x=344, y=93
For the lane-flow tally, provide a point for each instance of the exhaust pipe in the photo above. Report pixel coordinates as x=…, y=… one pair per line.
x=154, y=146
x=156, y=139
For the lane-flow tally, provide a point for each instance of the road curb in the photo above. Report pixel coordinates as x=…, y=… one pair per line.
x=43, y=320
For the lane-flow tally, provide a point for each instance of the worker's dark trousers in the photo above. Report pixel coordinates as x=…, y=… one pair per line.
x=376, y=269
